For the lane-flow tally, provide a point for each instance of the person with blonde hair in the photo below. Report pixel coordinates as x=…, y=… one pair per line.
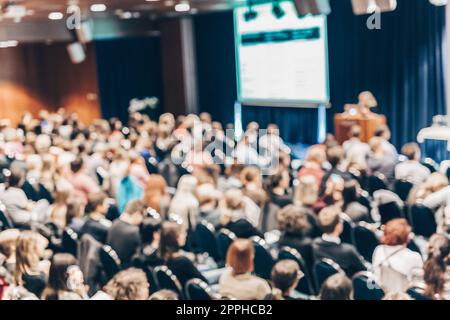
x=8, y=240
x=252, y=185
x=129, y=284
x=30, y=271
x=315, y=158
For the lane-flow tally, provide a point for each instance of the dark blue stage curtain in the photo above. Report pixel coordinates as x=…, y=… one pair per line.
x=216, y=73
x=128, y=68
x=402, y=64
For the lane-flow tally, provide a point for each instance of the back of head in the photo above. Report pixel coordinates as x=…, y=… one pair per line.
x=8, y=240
x=411, y=150
x=129, y=284
x=16, y=178
x=148, y=228
x=76, y=165
x=240, y=256
x=436, y=264
x=94, y=201
x=136, y=207
x=329, y=218
x=58, y=275
x=307, y=191
x=375, y=143
x=164, y=295
x=355, y=131
x=285, y=275
x=337, y=287
x=396, y=232
x=335, y=155
x=293, y=220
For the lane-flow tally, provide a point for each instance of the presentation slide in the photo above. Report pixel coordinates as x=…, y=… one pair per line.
x=281, y=62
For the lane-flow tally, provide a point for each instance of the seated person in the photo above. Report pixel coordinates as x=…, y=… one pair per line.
x=96, y=225
x=354, y=148
x=164, y=295
x=351, y=206
x=315, y=159
x=208, y=197
x=384, y=133
x=65, y=279
x=393, y=263
x=330, y=245
x=173, y=238
x=379, y=161
x=295, y=228
x=285, y=277
x=411, y=169
x=30, y=270
x=435, y=275
x=147, y=253
x=237, y=281
x=337, y=287
x=278, y=189
x=335, y=156
x=8, y=240
x=123, y=235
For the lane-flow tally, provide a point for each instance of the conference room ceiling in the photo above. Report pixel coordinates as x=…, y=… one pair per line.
x=33, y=10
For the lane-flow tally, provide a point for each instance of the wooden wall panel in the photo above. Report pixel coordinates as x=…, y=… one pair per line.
x=39, y=76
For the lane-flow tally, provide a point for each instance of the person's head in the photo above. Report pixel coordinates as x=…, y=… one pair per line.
x=337, y=287
x=350, y=192
x=30, y=247
x=335, y=155
x=240, y=256
x=411, y=151
x=164, y=295
x=187, y=184
x=173, y=237
x=293, y=220
x=76, y=165
x=251, y=174
x=307, y=191
x=376, y=144
x=97, y=202
x=75, y=209
x=16, y=178
x=397, y=296
x=154, y=191
x=285, y=275
x=129, y=284
x=64, y=275
x=8, y=240
x=205, y=117
x=383, y=132
x=135, y=211
x=367, y=99
x=279, y=180
x=396, y=232
x=330, y=221
x=207, y=195
x=150, y=230
x=355, y=131
x=436, y=264
x=316, y=154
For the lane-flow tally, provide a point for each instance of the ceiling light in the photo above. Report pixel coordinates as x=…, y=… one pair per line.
x=182, y=7
x=98, y=7
x=55, y=15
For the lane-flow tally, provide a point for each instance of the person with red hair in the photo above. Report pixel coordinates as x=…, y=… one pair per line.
x=393, y=262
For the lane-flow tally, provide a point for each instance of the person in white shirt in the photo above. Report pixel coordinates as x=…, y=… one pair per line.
x=245, y=153
x=393, y=263
x=354, y=148
x=411, y=169
x=384, y=133
x=271, y=141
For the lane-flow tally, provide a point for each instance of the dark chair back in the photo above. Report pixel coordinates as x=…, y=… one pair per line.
x=263, y=260
x=422, y=220
x=417, y=293
x=402, y=188
x=151, y=279
x=206, y=239
x=196, y=289
x=224, y=239
x=69, y=242
x=365, y=287
x=306, y=284
x=165, y=279
x=375, y=183
x=5, y=221
x=324, y=269
x=412, y=245
x=365, y=241
x=269, y=217
x=389, y=211
x=110, y=262
x=431, y=165
x=346, y=235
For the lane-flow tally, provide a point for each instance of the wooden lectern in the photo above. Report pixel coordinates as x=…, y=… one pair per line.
x=368, y=121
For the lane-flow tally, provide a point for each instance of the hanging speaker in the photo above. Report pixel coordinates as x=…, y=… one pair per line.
x=369, y=6
x=76, y=52
x=314, y=7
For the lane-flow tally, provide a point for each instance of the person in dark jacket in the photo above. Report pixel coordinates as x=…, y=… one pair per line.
x=329, y=246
